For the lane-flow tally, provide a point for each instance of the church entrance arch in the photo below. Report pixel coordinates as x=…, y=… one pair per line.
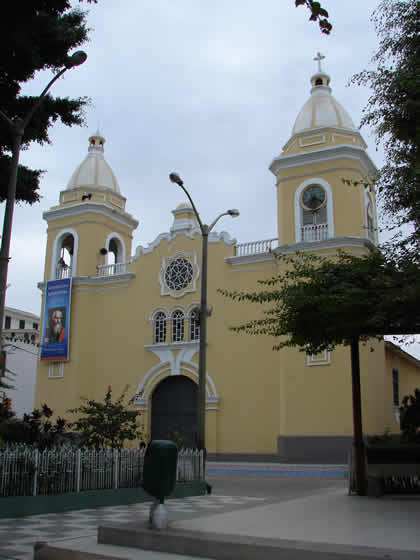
x=174, y=409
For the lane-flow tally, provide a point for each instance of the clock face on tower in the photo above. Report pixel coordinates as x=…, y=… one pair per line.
x=313, y=198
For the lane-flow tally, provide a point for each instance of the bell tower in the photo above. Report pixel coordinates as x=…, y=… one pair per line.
x=315, y=203
x=89, y=231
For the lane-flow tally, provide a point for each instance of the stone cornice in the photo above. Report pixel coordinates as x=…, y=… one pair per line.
x=61, y=212
x=194, y=344
x=249, y=259
x=333, y=243
x=322, y=155
x=303, y=247
x=97, y=280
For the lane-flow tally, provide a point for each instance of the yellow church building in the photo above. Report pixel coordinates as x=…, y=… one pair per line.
x=132, y=316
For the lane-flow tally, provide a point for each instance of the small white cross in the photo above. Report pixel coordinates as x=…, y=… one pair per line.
x=318, y=59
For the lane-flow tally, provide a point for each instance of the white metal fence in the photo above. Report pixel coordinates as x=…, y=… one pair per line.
x=27, y=472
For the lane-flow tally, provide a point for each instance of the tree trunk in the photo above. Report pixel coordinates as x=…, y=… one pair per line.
x=358, y=445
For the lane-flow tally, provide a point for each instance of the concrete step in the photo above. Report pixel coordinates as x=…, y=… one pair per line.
x=123, y=541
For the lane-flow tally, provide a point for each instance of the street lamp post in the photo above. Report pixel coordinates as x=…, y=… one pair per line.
x=205, y=230
x=17, y=130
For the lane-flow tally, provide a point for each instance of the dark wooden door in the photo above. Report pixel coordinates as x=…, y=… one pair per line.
x=174, y=409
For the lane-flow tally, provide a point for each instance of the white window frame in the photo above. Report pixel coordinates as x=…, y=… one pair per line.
x=57, y=249
x=298, y=207
x=193, y=325
x=55, y=370
x=175, y=337
x=324, y=360
x=155, y=318
x=121, y=253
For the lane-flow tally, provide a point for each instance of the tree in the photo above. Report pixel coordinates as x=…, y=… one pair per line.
x=394, y=112
x=106, y=424
x=318, y=13
x=410, y=417
x=318, y=303
x=46, y=33
x=35, y=429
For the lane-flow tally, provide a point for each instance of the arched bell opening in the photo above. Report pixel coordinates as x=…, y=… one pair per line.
x=64, y=256
x=115, y=257
x=115, y=251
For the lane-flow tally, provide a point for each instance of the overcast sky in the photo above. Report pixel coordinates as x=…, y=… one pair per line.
x=208, y=89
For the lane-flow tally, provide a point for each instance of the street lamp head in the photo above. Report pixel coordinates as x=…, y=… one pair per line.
x=175, y=178
x=76, y=59
x=233, y=212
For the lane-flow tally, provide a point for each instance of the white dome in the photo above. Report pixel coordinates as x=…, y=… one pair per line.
x=94, y=171
x=322, y=109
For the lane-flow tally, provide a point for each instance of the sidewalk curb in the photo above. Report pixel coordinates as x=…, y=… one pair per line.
x=216, y=546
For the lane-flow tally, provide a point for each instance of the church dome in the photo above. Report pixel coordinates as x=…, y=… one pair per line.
x=94, y=171
x=184, y=206
x=322, y=109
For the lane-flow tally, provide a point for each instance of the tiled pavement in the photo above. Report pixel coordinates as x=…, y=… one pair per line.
x=18, y=535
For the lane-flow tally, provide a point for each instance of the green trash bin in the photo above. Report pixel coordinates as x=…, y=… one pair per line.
x=159, y=470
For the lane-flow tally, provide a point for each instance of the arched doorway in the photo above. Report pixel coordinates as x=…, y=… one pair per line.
x=174, y=409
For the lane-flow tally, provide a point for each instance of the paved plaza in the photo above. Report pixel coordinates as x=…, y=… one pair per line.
x=250, y=503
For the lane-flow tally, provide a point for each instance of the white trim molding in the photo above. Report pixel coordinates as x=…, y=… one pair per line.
x=174, y=353
x=324, y=155
x=55, y=255
x=321, y=359
x=121, y=257
x=191, y=287
x=174, y=366
x=214, y=237
x=60, y=212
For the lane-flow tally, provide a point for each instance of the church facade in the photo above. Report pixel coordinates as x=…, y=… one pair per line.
x=133, y=312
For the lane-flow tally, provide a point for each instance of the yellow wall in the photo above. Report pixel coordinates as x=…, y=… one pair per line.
x=260, y=394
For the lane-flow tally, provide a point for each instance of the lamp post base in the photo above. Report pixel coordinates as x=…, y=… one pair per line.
x=158, y=516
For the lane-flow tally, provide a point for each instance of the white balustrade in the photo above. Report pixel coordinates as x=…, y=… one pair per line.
x=315, y=232
x=62, y=271
x=255, y=247
x=111, y=269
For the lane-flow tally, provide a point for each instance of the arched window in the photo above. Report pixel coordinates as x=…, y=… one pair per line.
x=159, y=335
x=195, y=324
x=370, y=219
x=64, y=255
x=177, y=326
x=314, y=211
x=313, y=203
x=115, y=259
x=115, y=251
x=64, y=264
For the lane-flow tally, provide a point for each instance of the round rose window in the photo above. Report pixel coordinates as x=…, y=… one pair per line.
x=179, y=274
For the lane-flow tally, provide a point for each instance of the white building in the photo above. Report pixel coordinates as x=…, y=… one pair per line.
x=20, y=347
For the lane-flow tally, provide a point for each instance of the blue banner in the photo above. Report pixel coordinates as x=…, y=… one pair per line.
x=56, y=327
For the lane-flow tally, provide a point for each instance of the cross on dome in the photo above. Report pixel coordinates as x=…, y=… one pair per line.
x=318, y=59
